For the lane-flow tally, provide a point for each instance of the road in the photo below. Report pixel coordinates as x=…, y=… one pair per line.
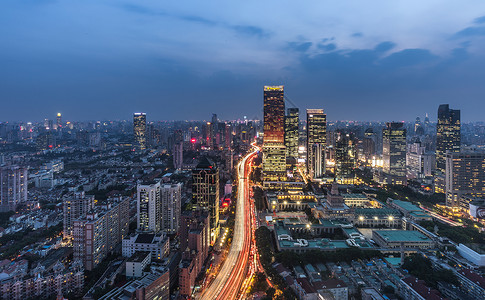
x=234, y=271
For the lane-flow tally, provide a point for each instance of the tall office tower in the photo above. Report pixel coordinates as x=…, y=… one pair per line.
x=205, y=192
x=75, y=205
x=394, y=153
x=13, y=187
x=274, y=152
x=465, y=174
x=148, y=206
x=292, y=122
x=369, y=144
x=316, y=129
x=448, y=134
x=140, y=129
x=317, y=164
x=170, y=195
x=59, y=121
x=448, y=139
x=417, y=125
x=99, y=232
x=214, y=130
x=345, y=158
x=178, y=155
x=228, y=136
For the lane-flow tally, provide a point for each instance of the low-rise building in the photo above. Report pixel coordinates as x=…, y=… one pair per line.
x=377, y=217
x=157, y=244
x=155, y=285
x=473, y=253
x=137, y=263
x=402, y=238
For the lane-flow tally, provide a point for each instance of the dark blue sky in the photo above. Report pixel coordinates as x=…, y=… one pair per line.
x=371, y=60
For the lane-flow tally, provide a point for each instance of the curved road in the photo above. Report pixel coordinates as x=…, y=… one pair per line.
x=228, y=282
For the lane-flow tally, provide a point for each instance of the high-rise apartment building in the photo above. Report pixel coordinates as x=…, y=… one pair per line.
x=316, y=129
x=419, y=163
x=98, y=233
x=170, y=195
x=140, y=129
x=465, y=174
x=75, y=206
x=274, y=152
x=292, y=124
x=13, y=187
x=394, y=153
x=148, y=206
x=205, y=192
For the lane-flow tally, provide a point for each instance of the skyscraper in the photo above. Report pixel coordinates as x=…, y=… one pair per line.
x=274, y=152
x=13, y=187
x=205, y=192
x=75, y=205
x=448, y=134
x=316, y=129
x=465, y=174
x=170, y=195
x=345, y=158
x=292, y=122
x=59, y=121
x=394, y=153
x=140, y=129
x=148, y=206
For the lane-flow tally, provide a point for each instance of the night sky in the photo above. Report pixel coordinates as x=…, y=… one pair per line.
x=358, y=60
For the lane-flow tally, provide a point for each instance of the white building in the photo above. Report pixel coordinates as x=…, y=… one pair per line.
x=420, y=163
x=157, y=244
x=171, y=206
x=476, y=257
x=148, y=207
x=137, y=263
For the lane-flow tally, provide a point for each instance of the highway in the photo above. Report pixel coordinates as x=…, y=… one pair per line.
x=234, y=271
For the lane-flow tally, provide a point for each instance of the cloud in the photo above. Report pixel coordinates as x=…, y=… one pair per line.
x=357, y=34
x=299, y=46
x=384, y=46
x=470, y=32
x=480, y=20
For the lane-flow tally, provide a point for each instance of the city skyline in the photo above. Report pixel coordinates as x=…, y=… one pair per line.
x=128, y=61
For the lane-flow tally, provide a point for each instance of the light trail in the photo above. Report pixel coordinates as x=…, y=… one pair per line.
x=233, y=274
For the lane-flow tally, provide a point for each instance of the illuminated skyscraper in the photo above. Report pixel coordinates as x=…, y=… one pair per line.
x=316, y=129
x=345, y=158
x=448, y=134
x=448, y=139
x=59, y=121
x=292, y=122
x=140, y=129
x=274, y=152
x=170, y=199
x=394, y=153
x=205, y=192
x=465, y=174
x=149, y=214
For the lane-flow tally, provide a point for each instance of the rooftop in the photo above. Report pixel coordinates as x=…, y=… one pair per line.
x=139, y=256
x=145, y=238
x=402, y=236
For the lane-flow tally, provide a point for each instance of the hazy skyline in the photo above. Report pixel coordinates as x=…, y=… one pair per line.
x=376, y=60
